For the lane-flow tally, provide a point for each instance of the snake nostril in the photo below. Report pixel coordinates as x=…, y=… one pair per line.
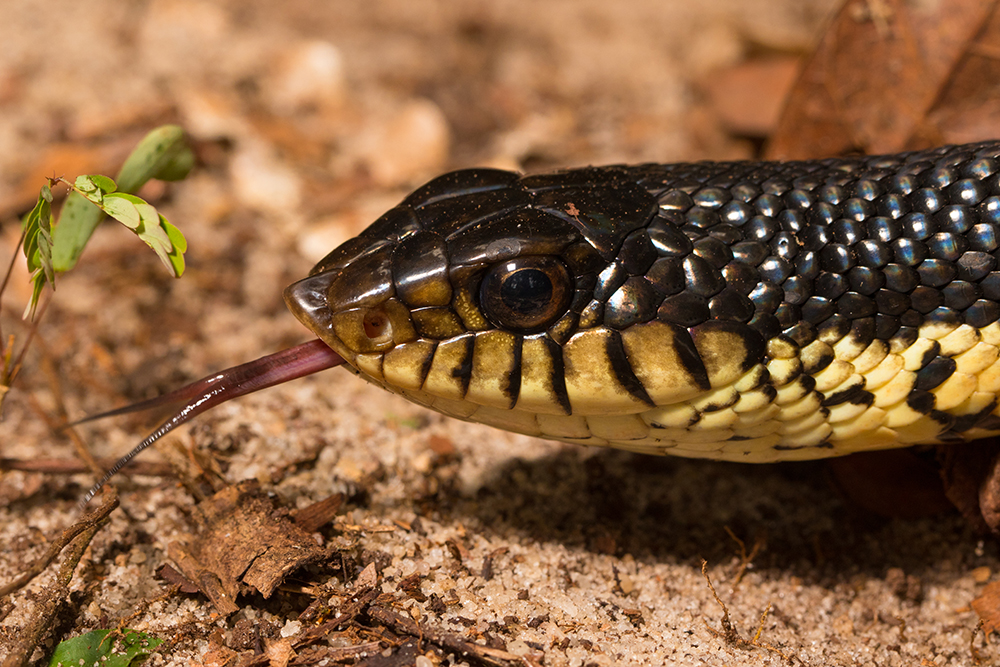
x=377, y=324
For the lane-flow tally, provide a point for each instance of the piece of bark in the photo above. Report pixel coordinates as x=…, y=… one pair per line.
x=241, y=540
x=879, y=72
x=317, y=515
x=969, y=472
x=748, y=97
x=987, y=607
x=172, y=576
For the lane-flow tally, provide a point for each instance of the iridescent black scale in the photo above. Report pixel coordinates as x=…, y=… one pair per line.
x=855, y=236
x=867, y=248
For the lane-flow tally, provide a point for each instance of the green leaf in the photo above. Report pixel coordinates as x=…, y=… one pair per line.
x=38, y=221
x=155, y=234
x=37, y=247
x=77, y=221
x=122, y=210
x=45, y=257
x=162, y=154
x=38, y=284
x=94, y=187
x=96, y=648
x=166, y=240
x=177, y=167
x=143, y=219
x=176, y=256
x=176, y=238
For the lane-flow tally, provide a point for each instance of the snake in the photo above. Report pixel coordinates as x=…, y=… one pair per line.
x=751, y=311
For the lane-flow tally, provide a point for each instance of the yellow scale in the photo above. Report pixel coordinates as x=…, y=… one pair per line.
x=740, y=418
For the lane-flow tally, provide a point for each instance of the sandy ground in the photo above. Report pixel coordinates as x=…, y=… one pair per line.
x=309, y=119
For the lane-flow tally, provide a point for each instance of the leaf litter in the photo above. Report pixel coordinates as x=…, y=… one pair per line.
x=471, y=541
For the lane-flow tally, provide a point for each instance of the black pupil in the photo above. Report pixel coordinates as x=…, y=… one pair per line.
x=526, y=291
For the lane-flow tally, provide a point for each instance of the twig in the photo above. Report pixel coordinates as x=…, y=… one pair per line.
x=27, y=341
x=976, y=657
x=74, y=466
x=6, y=279
x=745, y=558
x=351, y=611
x=729, y=633
x=90, y=522
x=338, y=654
x=52, y=598
x=454, y=643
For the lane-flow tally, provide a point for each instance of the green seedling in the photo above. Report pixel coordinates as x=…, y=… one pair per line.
x=53, y=246
x=100, y=648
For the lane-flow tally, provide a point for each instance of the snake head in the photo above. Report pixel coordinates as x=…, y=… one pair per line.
x=487, y=295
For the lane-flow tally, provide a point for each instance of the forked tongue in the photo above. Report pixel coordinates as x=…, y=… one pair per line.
x=199, y=396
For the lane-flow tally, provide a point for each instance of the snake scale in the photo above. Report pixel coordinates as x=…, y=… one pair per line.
x=742, y=311
x=745, y=311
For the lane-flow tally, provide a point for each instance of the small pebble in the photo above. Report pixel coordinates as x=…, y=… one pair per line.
x=263, y=182
x=210, y=115
x=412, y=144
x=291, y=628
x=310, y=74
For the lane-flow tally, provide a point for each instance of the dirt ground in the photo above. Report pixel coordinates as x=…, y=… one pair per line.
x=309, y=119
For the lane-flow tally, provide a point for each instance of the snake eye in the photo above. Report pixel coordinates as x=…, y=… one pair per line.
x=525, y=293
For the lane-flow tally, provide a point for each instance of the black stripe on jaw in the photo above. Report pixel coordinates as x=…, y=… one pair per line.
x=558, y=378
x=688, y=355
x=623, y=369
x=464, y=370
x=428, y=362
x=513, y=387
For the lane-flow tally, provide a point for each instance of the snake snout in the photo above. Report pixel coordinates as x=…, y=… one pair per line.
x=354, y=309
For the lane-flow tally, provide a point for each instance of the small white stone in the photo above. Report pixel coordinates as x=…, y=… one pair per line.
x=209, y=114
x=415, y=141
x=291, y=628
x=626, y=583
x=264, y=182
x=309, y=74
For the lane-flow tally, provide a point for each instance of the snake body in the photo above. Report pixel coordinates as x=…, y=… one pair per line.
x=746, y=311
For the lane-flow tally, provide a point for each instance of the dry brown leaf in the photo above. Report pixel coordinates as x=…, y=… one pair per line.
x=968, y=107
x=241, y=539
x=748, y=97
x=279, y=652
x=967, y=472
x=172, y=576
x=987, y=606
x=875, y=81
x=367, y=578
x=219, y=656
